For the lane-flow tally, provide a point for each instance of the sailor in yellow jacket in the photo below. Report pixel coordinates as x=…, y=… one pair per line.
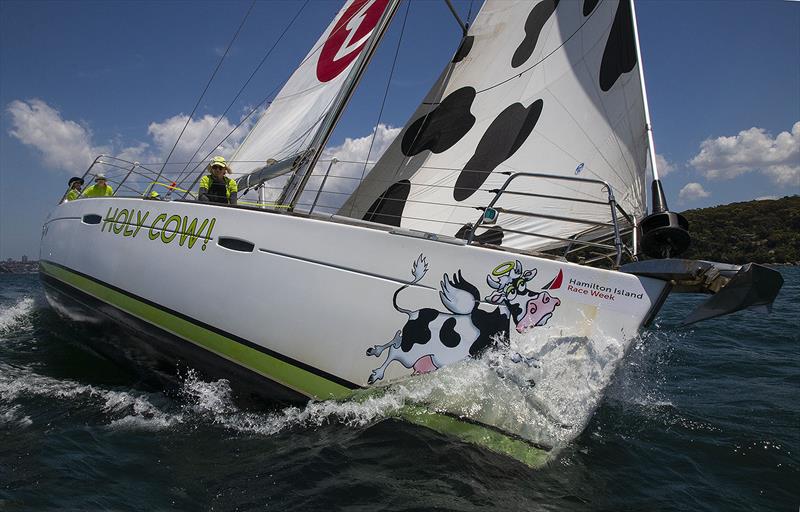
x=74, y=192
x=216, y=187
x=101, y=188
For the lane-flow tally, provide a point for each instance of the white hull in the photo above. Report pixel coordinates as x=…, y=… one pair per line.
x=305, y=305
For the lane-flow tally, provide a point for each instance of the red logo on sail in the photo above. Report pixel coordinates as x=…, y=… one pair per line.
x=348, y=37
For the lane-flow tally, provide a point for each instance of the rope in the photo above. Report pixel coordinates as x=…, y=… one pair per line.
x=383, y=102
x=208, y=84
x=311, y=54
x=257, y=68
x=524, y=71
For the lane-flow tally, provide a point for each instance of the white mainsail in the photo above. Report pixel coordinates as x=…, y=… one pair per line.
x=543, y=87
x=292, y=121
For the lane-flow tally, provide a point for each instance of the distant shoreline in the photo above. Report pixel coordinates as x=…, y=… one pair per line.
x=10, y=266
x=763, y=231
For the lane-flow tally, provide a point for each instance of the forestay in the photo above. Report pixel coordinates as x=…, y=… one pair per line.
x=546, y=87
x=289, y=125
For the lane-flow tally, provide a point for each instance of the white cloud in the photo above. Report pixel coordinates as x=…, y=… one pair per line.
x=767, y=198
x=347, y=172
x=64, y=145
x=355, y=150
x=692, y=191
x=664, y=166
x=752, y=150
x=68, y=146
x=165, y=133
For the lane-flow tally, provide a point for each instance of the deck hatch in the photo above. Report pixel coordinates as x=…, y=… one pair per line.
x=235, y=244
x=92, y=218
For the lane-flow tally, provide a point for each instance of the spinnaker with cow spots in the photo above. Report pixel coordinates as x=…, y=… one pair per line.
x=508, y=221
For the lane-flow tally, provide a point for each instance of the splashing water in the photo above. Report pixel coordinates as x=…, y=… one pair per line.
x=543, y=389
x=708, y=414
x=16, y=317
x=214, y=401
x=126, y=409
x=13, y=417
x=546, y=396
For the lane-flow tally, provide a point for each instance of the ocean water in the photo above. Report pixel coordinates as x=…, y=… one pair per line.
x=699, y=418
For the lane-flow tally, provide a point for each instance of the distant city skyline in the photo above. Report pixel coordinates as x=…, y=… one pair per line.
x=81, y=78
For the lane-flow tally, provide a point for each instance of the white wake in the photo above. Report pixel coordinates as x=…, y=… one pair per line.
x=16, y=315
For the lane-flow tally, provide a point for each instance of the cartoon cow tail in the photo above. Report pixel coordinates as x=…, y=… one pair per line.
x=418, y=270
x=394, y=300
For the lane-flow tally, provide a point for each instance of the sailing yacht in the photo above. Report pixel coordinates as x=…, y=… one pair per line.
x=510, y=211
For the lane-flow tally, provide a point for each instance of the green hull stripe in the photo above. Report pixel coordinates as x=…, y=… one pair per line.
x=280, y=371
x=476, y=434
x=296, y=378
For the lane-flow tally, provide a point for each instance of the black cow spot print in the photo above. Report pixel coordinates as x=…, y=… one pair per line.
x=502, y=139
x=464, y=49
x=418, y=331
x=589, y=5
x=492, y=325
x=441, y=128
x=448, y=335
x=533, y=28
x=388, y=208
x=619, y=56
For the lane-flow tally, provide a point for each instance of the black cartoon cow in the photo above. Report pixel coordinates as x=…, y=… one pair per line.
x=431, y=339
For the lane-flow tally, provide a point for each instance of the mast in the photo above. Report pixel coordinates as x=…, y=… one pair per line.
x=651, y=152
x=295, y=186
x=664, y=233
x=659, y=201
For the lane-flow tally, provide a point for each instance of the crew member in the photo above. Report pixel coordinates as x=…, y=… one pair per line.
x=216, y=187
x=101, y=188
x=75, y=185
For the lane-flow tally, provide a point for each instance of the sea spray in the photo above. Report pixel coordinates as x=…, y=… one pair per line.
x=214, y=401
x=120, y=408
x=14, y=316
x=12, y=416
x=547, y=395
x=638, y=385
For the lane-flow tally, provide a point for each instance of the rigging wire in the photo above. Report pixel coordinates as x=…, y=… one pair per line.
x=311, y=53
x=497, y=84
x=383, y=102
x=535, y=64
x=208, y=84
x=257, y=68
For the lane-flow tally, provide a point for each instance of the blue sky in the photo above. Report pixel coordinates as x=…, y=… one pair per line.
x=78, y=78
